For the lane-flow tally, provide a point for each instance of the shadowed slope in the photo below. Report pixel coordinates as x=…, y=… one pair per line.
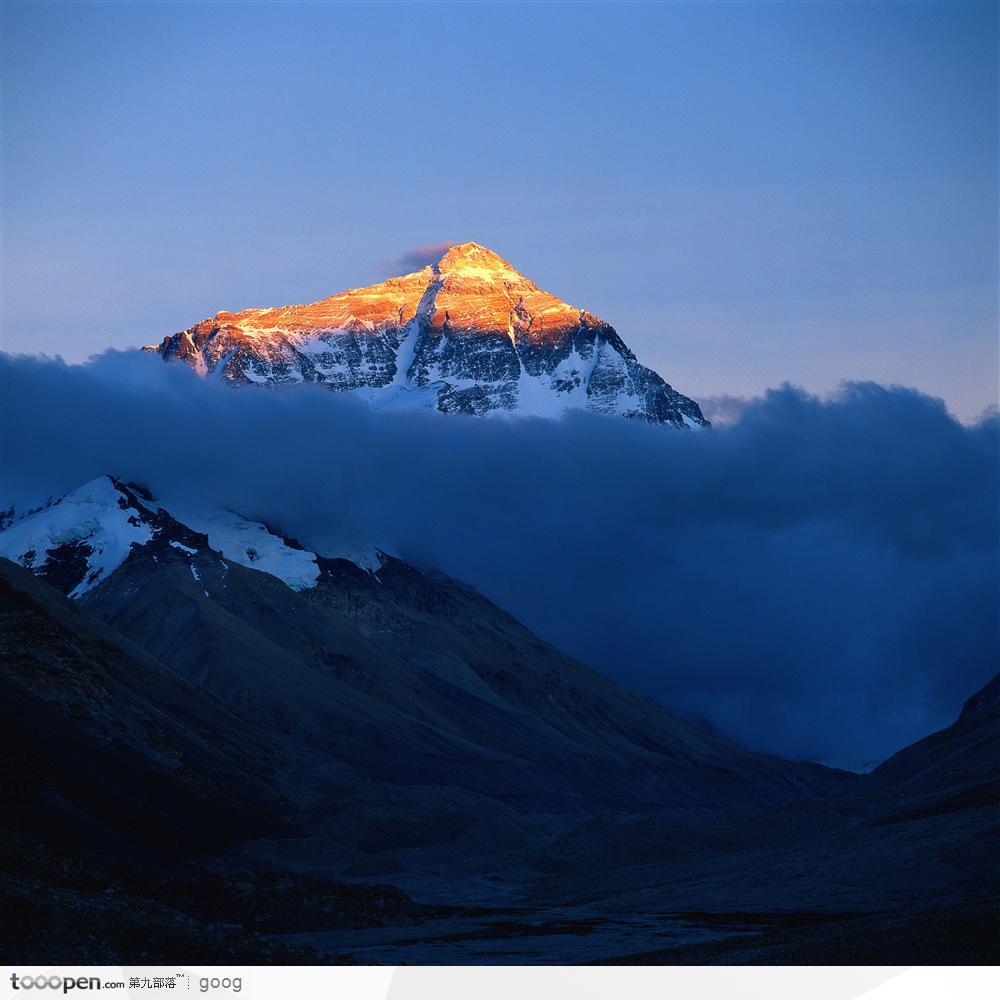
x=106, y=745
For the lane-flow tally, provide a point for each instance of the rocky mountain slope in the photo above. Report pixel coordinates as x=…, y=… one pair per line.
x=150, y=819
x=963, y=759
x=105, y=746
x=468, y=334
x=222, y=726
x=381, y=672
x=121, y=783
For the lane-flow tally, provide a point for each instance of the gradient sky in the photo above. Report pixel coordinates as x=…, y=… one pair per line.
x=750, y=193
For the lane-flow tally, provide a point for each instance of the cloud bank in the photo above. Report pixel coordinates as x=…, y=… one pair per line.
x=724, y=409
x=817, y=578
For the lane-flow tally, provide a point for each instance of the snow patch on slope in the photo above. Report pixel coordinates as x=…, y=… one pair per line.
x=250, y=544
x=92, y=516
x=84, y=537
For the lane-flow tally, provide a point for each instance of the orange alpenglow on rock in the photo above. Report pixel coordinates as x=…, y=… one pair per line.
x=467, y=334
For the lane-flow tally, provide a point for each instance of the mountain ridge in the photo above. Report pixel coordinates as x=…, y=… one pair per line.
x=385, y=666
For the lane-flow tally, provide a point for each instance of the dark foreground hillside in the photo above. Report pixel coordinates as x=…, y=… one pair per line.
x=209, y=769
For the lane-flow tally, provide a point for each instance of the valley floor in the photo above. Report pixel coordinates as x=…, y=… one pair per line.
x=924, y=890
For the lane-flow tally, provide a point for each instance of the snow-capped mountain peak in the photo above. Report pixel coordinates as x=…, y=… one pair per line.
x=466, y=334
x=472, y=260
x=77, y=542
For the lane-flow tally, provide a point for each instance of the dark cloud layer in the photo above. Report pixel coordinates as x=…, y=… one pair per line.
x=818, y=578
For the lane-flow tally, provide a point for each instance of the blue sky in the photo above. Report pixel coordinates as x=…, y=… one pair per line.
x=750, y=193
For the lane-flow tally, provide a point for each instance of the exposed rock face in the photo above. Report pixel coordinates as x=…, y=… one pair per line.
x=468, y=334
